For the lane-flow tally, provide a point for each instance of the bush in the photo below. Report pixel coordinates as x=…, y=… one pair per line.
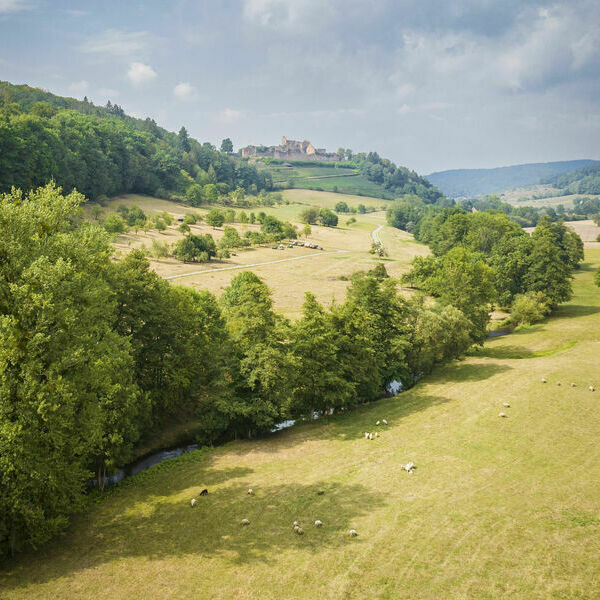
x=529, y=308
x=114, y=223
x=159, y=249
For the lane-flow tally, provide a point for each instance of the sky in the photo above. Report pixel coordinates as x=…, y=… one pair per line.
x=430, y=84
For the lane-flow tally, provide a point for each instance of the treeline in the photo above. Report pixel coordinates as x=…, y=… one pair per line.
x=582, y=181
x=96, y=353
x=485, y=258
x=100, y=151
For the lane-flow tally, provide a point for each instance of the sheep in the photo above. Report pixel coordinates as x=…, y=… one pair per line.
x=193, y=502
x=591, y=388
x=245, y=522
x=573, y=385
x=384, y=422
x=296, y=527
x=204, y=493
x=543, y=380
x=250, y=492
x=377, y=423
x=370, y=436
x=299, y=530
x=502, y=414
x=320, y=492
x=409, y=467
x=295, y=524
x=367, y=434
x=318, y=523
x=558, y=383
x=376, y=434
x=352, y=533
x=506, y=405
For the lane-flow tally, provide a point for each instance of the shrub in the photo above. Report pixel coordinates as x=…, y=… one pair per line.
x=529, y=308
x=114, y=223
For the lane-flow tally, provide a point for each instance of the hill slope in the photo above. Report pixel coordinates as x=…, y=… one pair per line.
x=498, y=508
x=477, y=182
x=582, y=181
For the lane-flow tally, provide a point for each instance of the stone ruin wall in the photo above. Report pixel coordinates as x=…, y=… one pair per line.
x=291, y=150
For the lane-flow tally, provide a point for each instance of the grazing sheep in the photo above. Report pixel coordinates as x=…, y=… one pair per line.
x=384, y=422
x=352, y=533
x=377, y=423
x=409, y=467
x=558, y=383
x=543, y=380
x=318, y=523
x=204, y=493
x=506, y=404
x=376, y=434
x=250, y=492
x=573, y=385
x=367, y=434
x=370, y=436
x=193, y=502
x=296, y=527
x=295, y=524
x=245, y=522
x=299, y=530
x=320, y=492
x=591, y=388
x=502, y=414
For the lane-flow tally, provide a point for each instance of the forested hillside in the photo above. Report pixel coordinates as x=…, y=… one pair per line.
x=471, y=183
x=582, y=181
x=102, y=151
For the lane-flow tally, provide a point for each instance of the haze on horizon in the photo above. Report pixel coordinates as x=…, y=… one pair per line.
x=432, y=85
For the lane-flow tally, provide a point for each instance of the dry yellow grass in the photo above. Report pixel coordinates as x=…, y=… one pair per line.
x=587, y=230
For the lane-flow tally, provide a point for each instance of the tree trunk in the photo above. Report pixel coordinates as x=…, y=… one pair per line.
x=101, y=473
x=13, y=541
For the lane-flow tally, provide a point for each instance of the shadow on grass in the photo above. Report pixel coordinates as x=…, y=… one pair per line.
x=150, y=522
x=470, y=371
x=519, y=352
x=570, y=311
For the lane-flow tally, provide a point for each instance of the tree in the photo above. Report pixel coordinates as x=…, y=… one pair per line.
x=306, y=231
x=328, y=217
x=227, y=146
x=183, y=140
x=66, y=396
x=215, y=218
x=342, y=207
x=195, y=248
x=184, y=228
x=114, y=223
x=194, y=194
x=309, y=215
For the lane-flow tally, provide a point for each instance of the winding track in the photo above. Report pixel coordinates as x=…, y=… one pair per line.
x=376, y=238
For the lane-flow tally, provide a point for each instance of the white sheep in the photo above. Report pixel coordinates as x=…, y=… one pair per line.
x=543, y=380
x=573, y=385
x=370, y=436
x=193, y=502
x=250, y=492
x=299, y=530
x=366, y=434
x=295, y=524
x=318, y=523
x=591, y=388
x=502, y=414
x=245, y=522
x=558, y=383
x=377, y=423
x=409, y=467
x=506, y=404
x=376, y=434
x=352, y=533
x=384, y=422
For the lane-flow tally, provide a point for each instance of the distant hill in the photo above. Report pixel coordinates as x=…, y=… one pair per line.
x=582, y=181
x=478, y=182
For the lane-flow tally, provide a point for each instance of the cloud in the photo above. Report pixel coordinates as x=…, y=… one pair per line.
x=185, y=91
x=229, y=115
x=139, y=73
x=114, y=42
x=79, y=88
x=12, y=6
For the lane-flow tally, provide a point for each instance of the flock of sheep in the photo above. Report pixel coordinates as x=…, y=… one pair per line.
x=591, y=388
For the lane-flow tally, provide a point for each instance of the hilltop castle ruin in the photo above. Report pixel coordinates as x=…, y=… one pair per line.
x=290, y=150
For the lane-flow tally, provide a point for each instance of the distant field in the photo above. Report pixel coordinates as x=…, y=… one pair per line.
x=321, y=272
x=497, y=508
x=587, y=230
x=525, y=197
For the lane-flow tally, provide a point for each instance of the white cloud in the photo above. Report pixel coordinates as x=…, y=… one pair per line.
x=79, y=88
x=11, y=6
x=185, y=91
x=229, y=115
x=139, y=73
x=115, y=42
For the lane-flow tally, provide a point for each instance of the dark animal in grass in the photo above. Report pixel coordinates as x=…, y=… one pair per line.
x=204, y=493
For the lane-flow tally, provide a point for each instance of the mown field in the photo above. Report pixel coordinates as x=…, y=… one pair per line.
x=525, y=197
x=497, y=508
x=325, y=273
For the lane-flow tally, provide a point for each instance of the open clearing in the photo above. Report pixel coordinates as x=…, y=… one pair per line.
x=324, y=272
x=497, y=508
x=587, y=230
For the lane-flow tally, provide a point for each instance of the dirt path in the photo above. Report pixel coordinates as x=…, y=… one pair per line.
x=375, y=235
x=260, y=264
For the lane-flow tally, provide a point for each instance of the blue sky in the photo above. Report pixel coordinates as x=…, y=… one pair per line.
x=431, y=84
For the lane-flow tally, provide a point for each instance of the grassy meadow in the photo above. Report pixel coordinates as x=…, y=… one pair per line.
x=325, y=273
x=497, y=508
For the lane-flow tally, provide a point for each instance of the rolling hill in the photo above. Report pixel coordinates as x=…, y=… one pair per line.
x=479, y=182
